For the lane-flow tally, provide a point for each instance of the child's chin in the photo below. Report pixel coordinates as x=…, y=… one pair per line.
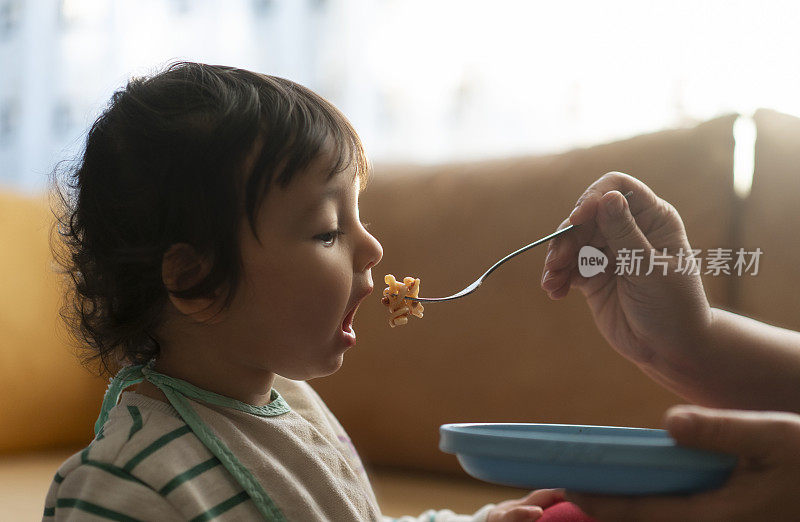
x=336, y=363
x=323, y=370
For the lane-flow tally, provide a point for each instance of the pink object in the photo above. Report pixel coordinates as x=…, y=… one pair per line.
x=565, y=512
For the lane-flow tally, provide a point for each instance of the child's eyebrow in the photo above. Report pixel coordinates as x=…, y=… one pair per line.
x=310, y=211
x=316, y=205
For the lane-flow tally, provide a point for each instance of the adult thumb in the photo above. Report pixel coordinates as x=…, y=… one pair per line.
x=618, y=226
x=745, y=433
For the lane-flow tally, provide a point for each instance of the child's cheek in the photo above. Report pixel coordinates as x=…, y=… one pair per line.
x=322, y=295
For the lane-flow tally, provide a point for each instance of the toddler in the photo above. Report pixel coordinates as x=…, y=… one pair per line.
x=211, y=236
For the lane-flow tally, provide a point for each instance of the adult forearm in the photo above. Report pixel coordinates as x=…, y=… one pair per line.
x=741, y=364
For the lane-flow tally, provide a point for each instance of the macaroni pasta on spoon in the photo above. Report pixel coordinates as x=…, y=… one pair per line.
x=393, y=297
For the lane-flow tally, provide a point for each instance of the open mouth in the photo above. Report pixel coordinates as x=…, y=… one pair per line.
x=347, y=324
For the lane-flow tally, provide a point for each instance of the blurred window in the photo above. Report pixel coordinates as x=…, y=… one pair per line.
x=422, y=80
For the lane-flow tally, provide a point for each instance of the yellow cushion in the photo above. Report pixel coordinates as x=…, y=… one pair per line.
x=48, y=398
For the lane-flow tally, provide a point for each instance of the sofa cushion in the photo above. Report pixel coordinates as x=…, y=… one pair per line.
x=507, y=353
x=48, y=399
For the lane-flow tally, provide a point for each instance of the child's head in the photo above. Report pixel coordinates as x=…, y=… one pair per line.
x=217, y=208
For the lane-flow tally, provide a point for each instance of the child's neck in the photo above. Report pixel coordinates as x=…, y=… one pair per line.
x=148, y=389
x=234, y=381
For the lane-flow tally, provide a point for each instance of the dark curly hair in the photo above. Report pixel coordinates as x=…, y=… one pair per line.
x=164, y=164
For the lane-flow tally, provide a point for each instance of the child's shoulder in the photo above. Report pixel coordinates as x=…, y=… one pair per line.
x=142, y=440
x=145, y=460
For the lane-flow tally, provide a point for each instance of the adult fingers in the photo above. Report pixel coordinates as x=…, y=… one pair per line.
x=601, y=210
x=643, y=198
x=747, y=433
x=563, y=250
x=562, y=254
x=617, y=230
x=618, y=226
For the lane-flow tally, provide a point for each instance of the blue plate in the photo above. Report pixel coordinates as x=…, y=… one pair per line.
x=591, y=459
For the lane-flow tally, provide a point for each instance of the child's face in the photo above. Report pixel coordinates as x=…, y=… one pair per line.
x=301, y=282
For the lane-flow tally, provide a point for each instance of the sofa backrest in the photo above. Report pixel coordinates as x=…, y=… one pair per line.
x=767, y=221
x=507, y=353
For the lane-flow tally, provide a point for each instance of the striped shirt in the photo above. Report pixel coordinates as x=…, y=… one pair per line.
x=147, y=464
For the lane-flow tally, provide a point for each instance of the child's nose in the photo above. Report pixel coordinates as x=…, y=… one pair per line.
x=374, y=251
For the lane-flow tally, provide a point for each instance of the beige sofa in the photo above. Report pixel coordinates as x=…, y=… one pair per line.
x=507, y=353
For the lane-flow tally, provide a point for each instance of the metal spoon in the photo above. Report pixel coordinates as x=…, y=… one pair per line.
x=471, y=288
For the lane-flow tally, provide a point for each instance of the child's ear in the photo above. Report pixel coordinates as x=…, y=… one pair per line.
x=182, y=268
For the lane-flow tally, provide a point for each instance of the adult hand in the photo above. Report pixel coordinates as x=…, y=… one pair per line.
x=765, y=485
x=653, y=319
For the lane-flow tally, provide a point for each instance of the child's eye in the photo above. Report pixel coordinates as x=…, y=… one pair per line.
x=329, y=238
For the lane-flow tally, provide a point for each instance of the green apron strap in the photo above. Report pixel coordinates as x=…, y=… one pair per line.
x=127, y=376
